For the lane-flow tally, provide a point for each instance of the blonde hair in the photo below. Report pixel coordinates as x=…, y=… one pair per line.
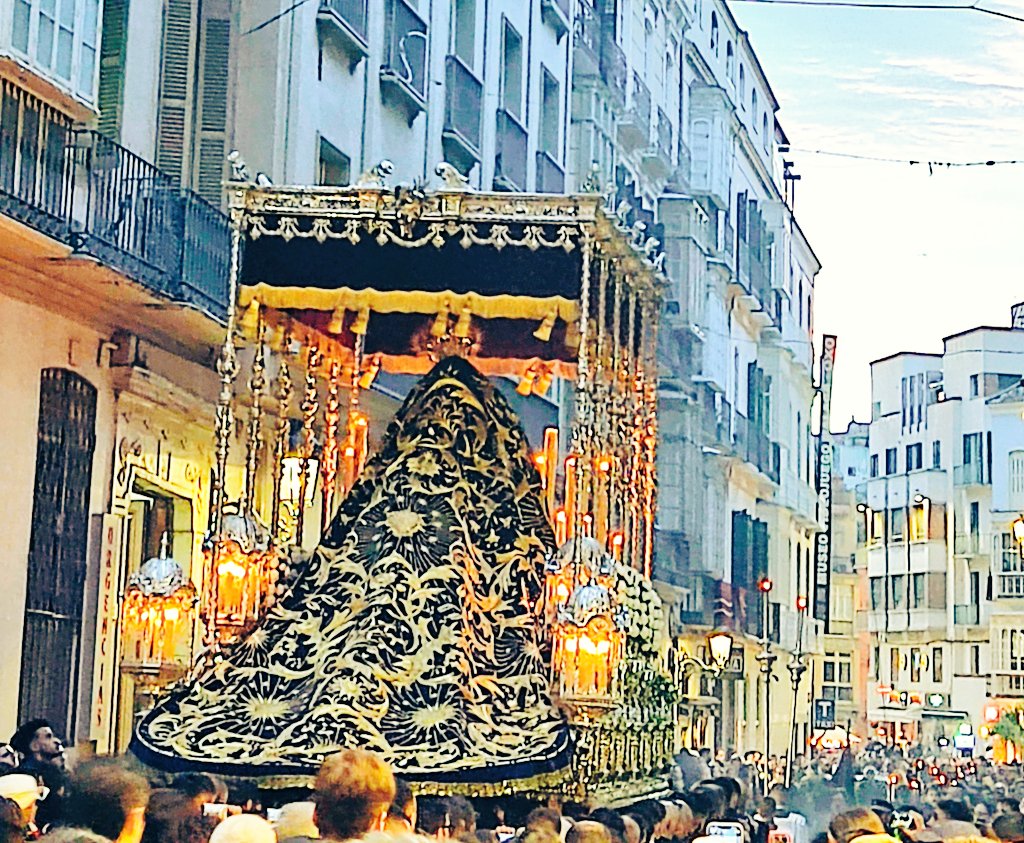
x=353, y=789
x=854, y=823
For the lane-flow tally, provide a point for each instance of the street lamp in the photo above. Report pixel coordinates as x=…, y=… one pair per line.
x=766, y=661
x=796, y=668
x=1018, y=530
x=719, y=647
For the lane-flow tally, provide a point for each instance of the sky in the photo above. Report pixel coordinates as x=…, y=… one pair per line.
x=907, y=257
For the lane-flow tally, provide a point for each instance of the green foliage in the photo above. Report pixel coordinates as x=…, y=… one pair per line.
x=1009, y=727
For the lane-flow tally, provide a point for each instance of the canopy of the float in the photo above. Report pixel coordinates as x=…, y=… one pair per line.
x=393, y=270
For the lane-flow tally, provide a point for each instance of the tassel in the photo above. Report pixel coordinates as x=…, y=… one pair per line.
x=462, y=326
x=544, y=378
x=440, y=326
x=526, y=384
x=367, y=377
x=543, y=332
x=361, y=322
x=337, y=323
x=572, y=336
x=251, y=317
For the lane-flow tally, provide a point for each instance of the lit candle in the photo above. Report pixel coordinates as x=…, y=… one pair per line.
x=570, y=494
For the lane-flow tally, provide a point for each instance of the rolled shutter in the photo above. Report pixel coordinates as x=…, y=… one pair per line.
x=112, y=55
x=215, y=55
x=175, y=84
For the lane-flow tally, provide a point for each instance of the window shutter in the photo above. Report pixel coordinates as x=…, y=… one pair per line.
x=215, y=55
x=112, y=51
x=173, y=116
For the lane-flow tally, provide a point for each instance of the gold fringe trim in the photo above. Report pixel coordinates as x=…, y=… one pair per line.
x=410, y=301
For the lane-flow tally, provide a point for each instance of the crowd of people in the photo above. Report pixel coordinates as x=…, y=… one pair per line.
x=879, y=799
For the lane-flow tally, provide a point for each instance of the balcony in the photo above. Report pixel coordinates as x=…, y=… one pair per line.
x=1010, y=586
x=968, y=544
x=464, y=103
x=343, y=23
x=634, y=130
x=510, y=153
x=84, y=190
x=587, y=40
x=754, y=446
x=613, y=68
x=550, y=175
x=557, y=14
x=130, y=215
x=403, y=75
x=966, y=614
x=970, y=474
x=658, y=159
x=1007, y=685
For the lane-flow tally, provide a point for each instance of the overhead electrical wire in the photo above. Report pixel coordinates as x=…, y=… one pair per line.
x=932, y=165
x=918, y=7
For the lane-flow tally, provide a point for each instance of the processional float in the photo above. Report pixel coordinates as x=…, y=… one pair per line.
x=479, y=612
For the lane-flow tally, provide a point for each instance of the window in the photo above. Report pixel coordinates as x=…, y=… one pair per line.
x=975, y=517
x=753, y=105
x=876, y=662
x=891, y=464
x=973, y=390
x=714, y=33
x=914, y=457
x=829, y=674
x=897, y=523
x=90, y=45
x=334, y=166
x=765, y=137
x=550, y=113
x=743, y=86
x=936, y=664
x=936, y=454
x=916, y=591
x=1016, y=478
x=512, y=71
x=836, y=673
x=894, y=665
x=844, y=670
x=919, y=522
x=915, y=664
x=464, y=32
x=874, y=465
x=972, y=448
x=877, y=526
x=899, y=590
x=729, y=60
x=877, y=595
x=975, y=660
x=22, y=20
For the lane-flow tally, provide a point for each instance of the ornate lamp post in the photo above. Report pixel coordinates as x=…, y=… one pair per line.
x=796, y=667
x=766, y=661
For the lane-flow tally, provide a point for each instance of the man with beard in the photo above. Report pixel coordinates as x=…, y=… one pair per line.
x=42, y=757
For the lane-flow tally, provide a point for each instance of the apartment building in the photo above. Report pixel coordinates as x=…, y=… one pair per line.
x=945, y=448
x=672, y=107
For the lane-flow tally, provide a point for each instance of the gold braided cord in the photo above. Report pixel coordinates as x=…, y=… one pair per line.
x=503, y=306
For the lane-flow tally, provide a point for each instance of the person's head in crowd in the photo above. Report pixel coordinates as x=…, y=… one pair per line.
x=766, y=809
x=953, y=809
x=12, y=826
x=544, y=818
x=732, y=790
x=352, y=792
x=9, y=758
x=631, y=829
x=1007, y=805
x=244, y=828
x=200, y=788
x=715, y=797
x=612, y=821
x=1009, y=827
x=109, y=799
x=25, y=792
x=857, y=822
x=576, y=810
x=701, y=805
x=644, y=823
x=170, y=818
x=781, y=796
x=981, y=815
x=294, y=824
x=588, y=831
x=463, y=816
x=246, y=796
x=433, y=817
x=38, y=745
x=402, y=811
x=883, y=807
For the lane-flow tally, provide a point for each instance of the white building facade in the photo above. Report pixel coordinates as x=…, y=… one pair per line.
x=946, y=444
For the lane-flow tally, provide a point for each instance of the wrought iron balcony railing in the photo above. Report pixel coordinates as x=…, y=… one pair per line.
x=82, y=189
x=663, y=135
x=403, y=74
x=613, y=66
x=344, y=21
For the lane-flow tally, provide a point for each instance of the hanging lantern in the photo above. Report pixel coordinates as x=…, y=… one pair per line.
x=587, y=648
x=242, y=567
x=156, y=617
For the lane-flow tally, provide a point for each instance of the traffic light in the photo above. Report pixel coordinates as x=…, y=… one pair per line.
x=801, y=603
x=764, y=585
